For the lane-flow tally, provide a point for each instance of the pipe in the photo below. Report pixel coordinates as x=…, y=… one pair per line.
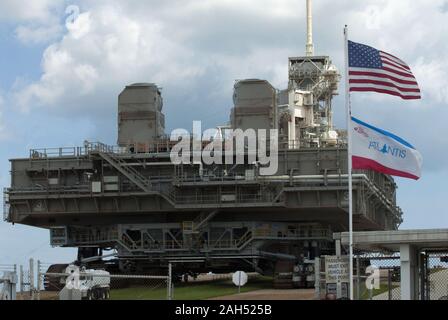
x=311, y=177
x=309, y=18
x=279, y=256
x=87, y=260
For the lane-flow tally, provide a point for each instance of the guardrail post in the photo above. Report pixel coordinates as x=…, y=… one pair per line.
x=39, y=279
x=31, y=280
x=358, y=279
x=21, y=279
x=169, y=282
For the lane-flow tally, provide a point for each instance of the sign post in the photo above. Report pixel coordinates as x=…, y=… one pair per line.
x=337, y=276
x=239, y=278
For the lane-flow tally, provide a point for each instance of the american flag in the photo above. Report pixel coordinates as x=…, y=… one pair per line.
x=374, y=70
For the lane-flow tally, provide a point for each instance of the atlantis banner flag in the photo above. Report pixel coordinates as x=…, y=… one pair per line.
x=382, y=151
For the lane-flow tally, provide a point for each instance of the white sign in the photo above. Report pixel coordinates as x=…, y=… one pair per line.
x=239, y=278
x=337, y=269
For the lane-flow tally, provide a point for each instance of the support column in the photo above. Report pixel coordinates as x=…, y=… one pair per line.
x=317, y=293
x=409, y=272
x=292, y=133
x=338, y=247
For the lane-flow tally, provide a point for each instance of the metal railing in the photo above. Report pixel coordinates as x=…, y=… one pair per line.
x=313, y=143
x=8, y=268
x=217, y=199
x=295, y=233
x=6, y=206
x=162, y=145
x=88, y=147
x=88, y=237
x=195, y=178
x=81, y=188
x=130, y=244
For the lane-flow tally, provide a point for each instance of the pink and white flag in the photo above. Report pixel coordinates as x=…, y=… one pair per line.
x=382, y=151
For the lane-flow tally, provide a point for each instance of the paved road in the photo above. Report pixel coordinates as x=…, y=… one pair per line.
x=272, y=294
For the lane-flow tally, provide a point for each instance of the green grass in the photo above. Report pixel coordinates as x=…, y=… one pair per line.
x=191, y=291
x=383, y=288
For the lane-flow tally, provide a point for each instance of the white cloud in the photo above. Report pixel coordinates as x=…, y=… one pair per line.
x=433, y=78
x=24, y=10
x=30, y=34
x=112, y=44
x=3, y=131
x=104, y=48
x=37, y=21
x=406, y=27
x=195, y=50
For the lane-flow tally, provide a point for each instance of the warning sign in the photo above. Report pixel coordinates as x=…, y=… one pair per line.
x=337, y=269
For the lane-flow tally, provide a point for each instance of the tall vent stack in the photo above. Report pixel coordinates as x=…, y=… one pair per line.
x=140, y=117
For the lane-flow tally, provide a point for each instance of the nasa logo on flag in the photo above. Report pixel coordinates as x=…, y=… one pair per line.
x=361, y=131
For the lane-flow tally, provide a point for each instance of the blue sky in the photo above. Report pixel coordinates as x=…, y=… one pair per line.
x=59, y=81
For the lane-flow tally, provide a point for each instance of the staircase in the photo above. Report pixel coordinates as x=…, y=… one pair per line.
x=244, y=240
x=133, y=175
x=193, y=230
x=169, y=196
x=203, y=219
x=195, y=227
x=127, y=243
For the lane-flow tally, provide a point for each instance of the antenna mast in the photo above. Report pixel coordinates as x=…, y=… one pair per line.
x=309, y=18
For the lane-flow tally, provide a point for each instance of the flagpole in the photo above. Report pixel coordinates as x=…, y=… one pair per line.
x=349, y=161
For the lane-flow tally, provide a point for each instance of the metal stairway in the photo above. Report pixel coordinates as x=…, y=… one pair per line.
x=133, y=175
x=193, y=230
x=127, y=243
x=196, y=226
x=202, y=220
x=245, y=240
